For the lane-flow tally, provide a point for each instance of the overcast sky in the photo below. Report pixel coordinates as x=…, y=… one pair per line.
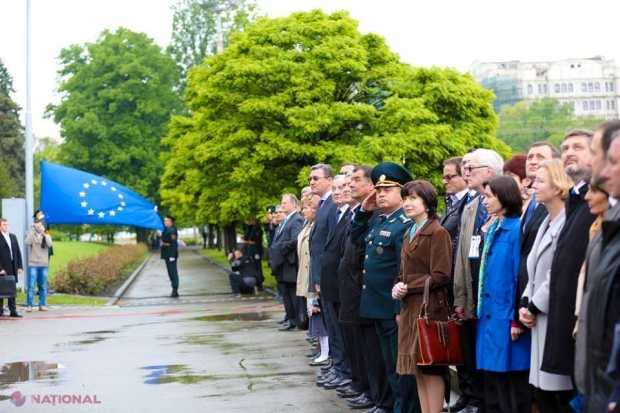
x=423, y=32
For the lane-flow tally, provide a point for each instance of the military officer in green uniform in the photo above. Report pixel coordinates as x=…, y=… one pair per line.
x=383, y=238
x=170, y=253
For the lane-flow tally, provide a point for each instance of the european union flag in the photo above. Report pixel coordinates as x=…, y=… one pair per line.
x=69, y=196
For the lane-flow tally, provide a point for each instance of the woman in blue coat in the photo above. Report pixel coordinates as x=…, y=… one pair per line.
x=502, y=348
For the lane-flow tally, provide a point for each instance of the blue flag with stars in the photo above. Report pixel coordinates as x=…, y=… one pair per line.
x=69, y=196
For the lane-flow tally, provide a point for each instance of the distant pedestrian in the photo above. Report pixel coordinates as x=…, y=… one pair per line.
x=10, y=262
x=243, y=278
x=170, y=253
x=38, y=242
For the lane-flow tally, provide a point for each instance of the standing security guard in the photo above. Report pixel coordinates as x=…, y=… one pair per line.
x=383, y=239
x=170, y=253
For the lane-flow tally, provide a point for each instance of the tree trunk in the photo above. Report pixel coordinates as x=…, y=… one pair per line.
x=142, y=235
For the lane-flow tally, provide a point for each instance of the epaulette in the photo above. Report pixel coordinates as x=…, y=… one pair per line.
x=404, y=219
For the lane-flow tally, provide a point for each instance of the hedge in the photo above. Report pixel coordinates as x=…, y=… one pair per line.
x=99, y=273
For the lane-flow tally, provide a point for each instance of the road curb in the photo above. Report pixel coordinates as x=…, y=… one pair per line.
x=119, y=293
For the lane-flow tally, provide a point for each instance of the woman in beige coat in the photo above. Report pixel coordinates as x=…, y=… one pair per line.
x=426, y=253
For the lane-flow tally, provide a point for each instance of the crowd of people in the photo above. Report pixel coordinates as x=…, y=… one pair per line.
x=525, y=254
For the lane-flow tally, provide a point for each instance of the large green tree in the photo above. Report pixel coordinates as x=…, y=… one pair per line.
x=117, y=100
x=194, y=28
x=542, y=120
x=290, y=92
x=12, y=156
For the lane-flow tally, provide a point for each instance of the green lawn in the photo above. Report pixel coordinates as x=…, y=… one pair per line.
x=65, y=251
x=218, y=256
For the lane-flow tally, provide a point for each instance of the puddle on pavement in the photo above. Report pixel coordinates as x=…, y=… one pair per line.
x=235, y=317
x=173, y=373
x=22, y=371
x=97, y=336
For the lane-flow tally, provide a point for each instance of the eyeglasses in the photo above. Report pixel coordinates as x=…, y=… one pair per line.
x=449, y=177
x=315, y=178
x=471, y=168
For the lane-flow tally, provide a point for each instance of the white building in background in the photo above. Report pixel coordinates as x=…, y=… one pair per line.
x=589, y=85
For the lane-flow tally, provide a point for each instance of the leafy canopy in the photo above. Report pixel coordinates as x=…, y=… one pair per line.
x=12, y=154
x=117, y=100
x=291, y=92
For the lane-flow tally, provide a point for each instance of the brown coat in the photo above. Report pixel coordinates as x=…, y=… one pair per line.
x=428, y=255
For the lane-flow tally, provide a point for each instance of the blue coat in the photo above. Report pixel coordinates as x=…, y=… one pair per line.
x=495, y=351
x=383, y=240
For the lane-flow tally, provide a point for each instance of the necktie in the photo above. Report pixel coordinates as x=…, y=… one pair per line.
x=530, y=209
x=382, y=218
x=338, y=215
x=349, y=215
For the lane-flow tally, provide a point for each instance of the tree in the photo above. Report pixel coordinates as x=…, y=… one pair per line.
x=542, y=120
x=194, y=29
x=290, y=92
x=12, y=155
x=118, y=98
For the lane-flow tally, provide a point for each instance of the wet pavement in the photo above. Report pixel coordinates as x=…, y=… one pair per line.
x=206, y=350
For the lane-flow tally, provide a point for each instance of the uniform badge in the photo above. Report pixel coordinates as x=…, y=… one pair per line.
x=382, y=178
x=379, y=250
x=404, y=219
x=385, y=233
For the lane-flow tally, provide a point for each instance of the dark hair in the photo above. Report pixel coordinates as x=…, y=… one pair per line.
x=456, y=161
x=516, y=165
x=609, y=128
x=424, y=190
x=507, y=192
x=555, y=153
x=599, y=185
x=328, y=172
x=367, y=171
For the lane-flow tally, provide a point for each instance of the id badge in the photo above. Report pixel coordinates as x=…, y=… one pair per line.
x=474, y=249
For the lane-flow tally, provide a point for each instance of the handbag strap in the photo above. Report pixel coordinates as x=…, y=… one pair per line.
x=425, y=299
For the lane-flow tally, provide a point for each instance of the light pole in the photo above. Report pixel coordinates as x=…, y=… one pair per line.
x=218, y=7
x=29, y=138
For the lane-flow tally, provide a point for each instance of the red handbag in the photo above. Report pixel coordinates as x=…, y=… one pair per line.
x=439, y=342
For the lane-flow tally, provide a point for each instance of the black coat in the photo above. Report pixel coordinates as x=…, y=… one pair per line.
x=283, y=251
x=602, y=315
x=10, y=266
x=169, y=243
x=351, y=275
x=331, y=261
x=451, y=221
x=570, y=252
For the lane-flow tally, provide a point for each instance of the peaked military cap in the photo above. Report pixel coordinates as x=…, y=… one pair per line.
x=390, y=174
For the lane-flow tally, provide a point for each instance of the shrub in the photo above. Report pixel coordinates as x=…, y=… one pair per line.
x=97, y=273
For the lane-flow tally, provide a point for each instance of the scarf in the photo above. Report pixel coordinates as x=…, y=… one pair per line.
x=414, y=230
x=483, y=263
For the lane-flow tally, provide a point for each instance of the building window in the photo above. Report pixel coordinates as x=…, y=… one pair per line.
x=539, y=89
x=611, y=86
x=592, y=105
x=556, y=88
x=590, y=87
x=613, y=105
x=599, y=106
x=530, y=89
x=585, y=105
x=606, y=87
x=597, y=87
x=584, y=88
x=545, y=90
x=607, y=102
x=572, y=103
x=563, y=87
x=570, y=88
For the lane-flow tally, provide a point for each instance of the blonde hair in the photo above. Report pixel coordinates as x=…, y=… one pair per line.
x=558, y=177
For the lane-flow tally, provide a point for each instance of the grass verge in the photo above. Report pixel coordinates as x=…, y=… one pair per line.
x=219, y=257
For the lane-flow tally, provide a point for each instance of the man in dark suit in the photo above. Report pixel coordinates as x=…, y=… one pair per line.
x=568, y=257
x=371, y=388
x=383, y=240
x=170, y=253
x=10, y=262
x=329, y=288
x=283, y=257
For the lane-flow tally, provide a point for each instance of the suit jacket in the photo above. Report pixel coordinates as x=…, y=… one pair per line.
x=528, y=236
x=284, y=249
x=383, y=239
x=567, y=260
x=11, y=266
x=323, y=223
x=463, y=289
x=331, y=261
x=303, y=260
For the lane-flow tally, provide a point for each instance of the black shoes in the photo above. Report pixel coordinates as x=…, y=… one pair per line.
x=347, y=392
x=15, y=315
x=336, y=383
x=361, y=402
x=459, y=405
x=289, y=327
x=175, y=292
x=284, y=320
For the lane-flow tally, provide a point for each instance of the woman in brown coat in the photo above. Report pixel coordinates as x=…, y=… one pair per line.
x=426, y=252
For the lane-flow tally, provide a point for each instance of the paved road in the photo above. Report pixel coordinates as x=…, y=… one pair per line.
x=205, y=350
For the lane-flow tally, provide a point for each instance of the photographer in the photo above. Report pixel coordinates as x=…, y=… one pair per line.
x=38, y=263
x=243, y=277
